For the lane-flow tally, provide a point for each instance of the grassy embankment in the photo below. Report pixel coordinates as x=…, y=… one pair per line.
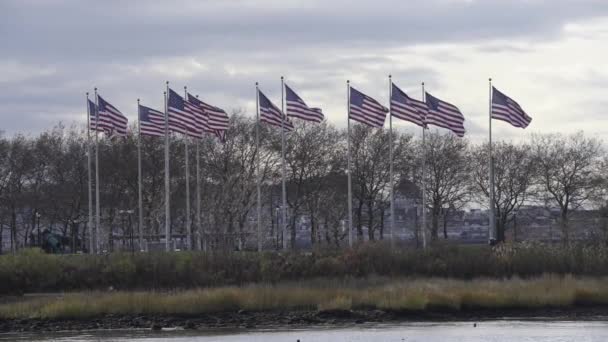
x=34, y=271
x=377, y=293
x=367, y=277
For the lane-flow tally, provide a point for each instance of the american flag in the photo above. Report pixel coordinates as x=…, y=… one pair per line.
x=151, y=122
x=271, y=114
x=214, y=120
x=115, y=117
x=181, y=118
x=445, y=115
x=298, y=109
x=365, y=109
x=218, y=118
x=201, y=120
x=220, y=134
x=104, y=124
x=406, y=108
x=505, y=109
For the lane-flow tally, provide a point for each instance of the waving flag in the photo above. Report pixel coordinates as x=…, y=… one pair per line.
x=181, y=119
x=365, y=109
x=298, y=109
x=151, y=122
x=445, y=115
x=269, y=113
x=117, y=120
x=213, y=119
x=194, y=106
x=405, y=108
x=220, y=134
x=104, y=124
x=218, y=118
x=505, y=109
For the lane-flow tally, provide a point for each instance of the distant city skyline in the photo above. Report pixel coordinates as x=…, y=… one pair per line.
x=548, y=55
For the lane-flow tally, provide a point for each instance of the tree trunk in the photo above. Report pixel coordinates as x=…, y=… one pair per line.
x=13, y=230
x=1, y=234
x=435, y=223
x=313, y=231
x=370, y=221
x=293, y=231
x=501, y=223
x=565, y=227
x=359, y=221
x=382, y=224
x=445, y=226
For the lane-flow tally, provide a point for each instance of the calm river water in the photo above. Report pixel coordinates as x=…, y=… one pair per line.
x=495, y=331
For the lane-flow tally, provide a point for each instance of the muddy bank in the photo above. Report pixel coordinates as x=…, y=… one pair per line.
x=295, y=319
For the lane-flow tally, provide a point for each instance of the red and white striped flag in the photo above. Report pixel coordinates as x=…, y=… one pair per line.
x=269, y=113
x=445, y=115
x=116, y=119
x=182, y=118
x=406, y=108
x=505, y=109
x=297, y=108
x=151, y=122
x=365, y=109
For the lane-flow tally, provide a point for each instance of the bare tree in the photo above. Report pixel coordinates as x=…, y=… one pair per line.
x=569, y=172
x=309, y=151
x=448, y=174
x=371, y=178
x=514, y=170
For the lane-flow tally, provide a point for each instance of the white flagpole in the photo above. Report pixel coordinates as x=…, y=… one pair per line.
x=257, y=166
x=91, y=238
x=423, y=228
x=97, y=206
x=167, y=183
x=390, y=137
x=492, y=227
x=188, y=225
x=198, y=195
x=284, y=191
x=348, y=171
x=139, y=181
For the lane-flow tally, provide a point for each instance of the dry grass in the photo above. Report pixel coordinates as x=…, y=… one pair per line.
x=404, y=294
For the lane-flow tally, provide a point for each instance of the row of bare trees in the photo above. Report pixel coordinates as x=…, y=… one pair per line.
x=44, y=182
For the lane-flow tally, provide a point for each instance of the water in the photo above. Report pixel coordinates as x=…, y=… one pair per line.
x=495, y=331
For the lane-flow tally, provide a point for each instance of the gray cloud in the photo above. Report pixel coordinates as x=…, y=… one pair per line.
x=55, y=50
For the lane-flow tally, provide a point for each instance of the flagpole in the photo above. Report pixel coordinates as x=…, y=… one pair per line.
x=91, y=239
x=423, y=228
x=257, y=166
x=198, y=195
x=390, y=137
x=348, y=171
x=284, y=191
x=97, y=206
x=188, y=225
x=492, y=227
x=167, y=194
x=139, y=186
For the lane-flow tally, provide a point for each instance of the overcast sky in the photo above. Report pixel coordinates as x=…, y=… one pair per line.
x=551, y=56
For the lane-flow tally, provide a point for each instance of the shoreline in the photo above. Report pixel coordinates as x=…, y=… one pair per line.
x=252, y=320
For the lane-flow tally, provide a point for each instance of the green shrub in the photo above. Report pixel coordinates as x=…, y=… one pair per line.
x=32, y=270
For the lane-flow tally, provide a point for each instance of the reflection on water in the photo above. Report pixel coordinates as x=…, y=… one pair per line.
x=496, y=331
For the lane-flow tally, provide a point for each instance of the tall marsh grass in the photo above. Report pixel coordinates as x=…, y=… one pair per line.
x=34, y=271
x=377, y=293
